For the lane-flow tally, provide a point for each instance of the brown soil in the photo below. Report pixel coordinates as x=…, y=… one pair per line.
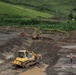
x=71, y=37
x=47, y=48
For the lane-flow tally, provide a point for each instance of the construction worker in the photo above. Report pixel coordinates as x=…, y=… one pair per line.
x=71, y=57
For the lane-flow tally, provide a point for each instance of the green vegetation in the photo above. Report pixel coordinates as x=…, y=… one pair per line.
x=44, y=25
x=63, y=26
x=13, y=10
x=58, y=8
x=39, y=13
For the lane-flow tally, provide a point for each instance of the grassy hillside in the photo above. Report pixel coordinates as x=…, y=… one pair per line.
x=27, y=13
x=14, y=10
x=59, y=8
x=40, y=2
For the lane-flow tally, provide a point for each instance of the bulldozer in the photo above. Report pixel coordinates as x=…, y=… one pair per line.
x=25, y=59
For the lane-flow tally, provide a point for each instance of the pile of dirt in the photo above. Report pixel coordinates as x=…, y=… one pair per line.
x=47, y=49
x=71, y=37
x=72, y=34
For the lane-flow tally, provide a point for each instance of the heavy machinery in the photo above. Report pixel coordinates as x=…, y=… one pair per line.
x=25, y=59
x=36, y=33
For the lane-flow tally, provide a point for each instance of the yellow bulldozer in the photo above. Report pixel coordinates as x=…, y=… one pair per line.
x=25, y=59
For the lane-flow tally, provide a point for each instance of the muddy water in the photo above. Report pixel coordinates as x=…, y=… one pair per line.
x=35, y=71
x=69, y=46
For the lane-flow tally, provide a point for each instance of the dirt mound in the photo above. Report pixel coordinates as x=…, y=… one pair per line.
x=71, y=37
x=72, y=34
x=47, y=49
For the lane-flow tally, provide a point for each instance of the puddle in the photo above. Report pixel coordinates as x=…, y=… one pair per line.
x=62, y=73
x=69, y=46
x=35, y=71
x=1, y=61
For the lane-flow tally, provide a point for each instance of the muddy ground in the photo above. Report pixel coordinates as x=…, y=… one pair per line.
x=54, y=51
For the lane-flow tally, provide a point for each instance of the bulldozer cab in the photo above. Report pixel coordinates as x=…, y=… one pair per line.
x=24, y=53
x=21, y=54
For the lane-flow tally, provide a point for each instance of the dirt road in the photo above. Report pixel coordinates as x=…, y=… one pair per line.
x=36, y=70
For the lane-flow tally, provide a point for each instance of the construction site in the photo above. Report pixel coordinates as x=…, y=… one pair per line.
x=53, y=47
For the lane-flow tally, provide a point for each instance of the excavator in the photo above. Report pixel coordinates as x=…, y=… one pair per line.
x=36, y=34
x=25, y=59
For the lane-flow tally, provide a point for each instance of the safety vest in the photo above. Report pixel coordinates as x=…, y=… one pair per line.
x=71, y=56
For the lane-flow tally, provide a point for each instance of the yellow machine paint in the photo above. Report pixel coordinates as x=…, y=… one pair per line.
x=25, y=58
x=36, y=33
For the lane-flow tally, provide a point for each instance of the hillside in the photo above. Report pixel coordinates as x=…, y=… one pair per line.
x=14, y=10
x=48, y=15
x=59, y=8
